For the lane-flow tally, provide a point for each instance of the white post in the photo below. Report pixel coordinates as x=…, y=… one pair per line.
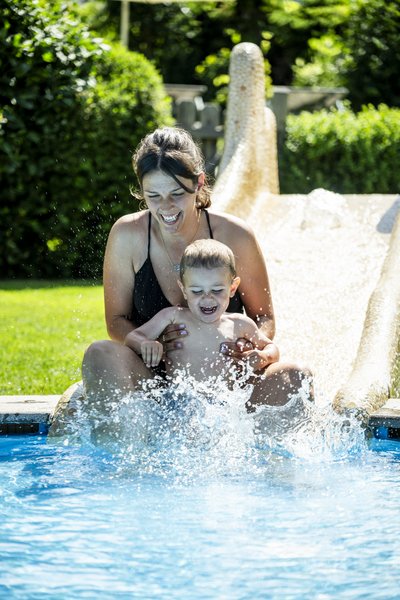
x=124, y=31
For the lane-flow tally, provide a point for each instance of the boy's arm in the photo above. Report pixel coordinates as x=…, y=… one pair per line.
x=268, y=353
x=264, y=351
x=143, y=339
x=267, y=350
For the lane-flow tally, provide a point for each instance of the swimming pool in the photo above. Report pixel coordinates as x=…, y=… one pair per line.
x=306, y=512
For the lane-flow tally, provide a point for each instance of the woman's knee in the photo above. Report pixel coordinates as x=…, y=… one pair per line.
x=100, y=352
x=112, y=360
x=107, y=356
x=291, y=370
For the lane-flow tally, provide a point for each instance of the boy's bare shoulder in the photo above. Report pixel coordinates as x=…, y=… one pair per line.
x=174, y=314
x=241, y=320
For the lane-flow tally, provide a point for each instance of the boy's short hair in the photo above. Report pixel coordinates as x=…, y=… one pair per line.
x=208, y=254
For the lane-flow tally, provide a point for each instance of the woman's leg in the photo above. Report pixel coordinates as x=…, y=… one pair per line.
x=110, y=370
x=279, y=382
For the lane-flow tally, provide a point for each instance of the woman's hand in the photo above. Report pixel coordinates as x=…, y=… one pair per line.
x=243, y=350
x=171, y=337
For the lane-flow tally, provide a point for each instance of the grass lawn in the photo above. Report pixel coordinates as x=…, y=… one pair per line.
x=45, y=327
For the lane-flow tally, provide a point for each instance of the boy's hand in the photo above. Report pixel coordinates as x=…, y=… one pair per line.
x=171, y=337
x=261, y=359
x=236, y=350
x=243, y=350
x=152, y=352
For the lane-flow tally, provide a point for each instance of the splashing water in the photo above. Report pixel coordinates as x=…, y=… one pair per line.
x=180, y=493
x=194, y=430
x=324, y=253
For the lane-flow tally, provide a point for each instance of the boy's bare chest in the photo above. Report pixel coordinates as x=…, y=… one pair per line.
x=202, y=345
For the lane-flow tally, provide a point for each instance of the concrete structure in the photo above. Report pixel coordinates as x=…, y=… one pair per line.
x=249, y=164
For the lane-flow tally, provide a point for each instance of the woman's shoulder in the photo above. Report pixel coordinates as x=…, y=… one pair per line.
x=134, y=224
x=133, y=220
x=127, y=240
x=227, y=227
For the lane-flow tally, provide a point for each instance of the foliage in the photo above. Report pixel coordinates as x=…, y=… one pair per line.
x=45, y=329
x=351, y=43
x=373, y=40
x=72, y=110
x=214, y=70
x=170, y=35
x=361, y=53
x=193, y=40
x=326, y=66
x=293, y=25
x=342, y=151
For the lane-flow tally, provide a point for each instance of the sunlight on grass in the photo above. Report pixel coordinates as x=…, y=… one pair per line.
x=45, y=328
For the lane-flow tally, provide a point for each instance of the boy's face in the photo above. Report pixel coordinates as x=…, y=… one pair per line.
x=208, y=291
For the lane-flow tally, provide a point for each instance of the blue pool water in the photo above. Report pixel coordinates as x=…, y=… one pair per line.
x=307, y=509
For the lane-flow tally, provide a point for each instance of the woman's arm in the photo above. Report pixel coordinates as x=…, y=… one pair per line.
x=254, y=286
x=124, y=254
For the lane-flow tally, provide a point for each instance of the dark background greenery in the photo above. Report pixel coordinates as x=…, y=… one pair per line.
x=351, y=43
x=74, y=104
x=72, y=111
x=342, y=151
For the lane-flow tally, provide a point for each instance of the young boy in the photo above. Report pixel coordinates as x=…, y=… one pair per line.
x=208, y=280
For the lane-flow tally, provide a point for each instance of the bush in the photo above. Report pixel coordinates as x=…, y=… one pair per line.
x=372, y=37
x=127, y=102
x=72, y=110
x=343, y=151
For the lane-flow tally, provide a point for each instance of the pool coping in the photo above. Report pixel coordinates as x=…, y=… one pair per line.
x=24, y=414
x=33, y=413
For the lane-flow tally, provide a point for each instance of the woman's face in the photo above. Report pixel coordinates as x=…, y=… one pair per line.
x=168, y=202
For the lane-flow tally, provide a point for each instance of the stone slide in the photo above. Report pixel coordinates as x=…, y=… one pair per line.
x=333, y=261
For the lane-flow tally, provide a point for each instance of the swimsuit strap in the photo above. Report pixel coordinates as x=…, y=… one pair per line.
x=148, y=236
x=209, y=224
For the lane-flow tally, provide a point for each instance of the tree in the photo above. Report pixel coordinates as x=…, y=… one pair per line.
x=373, y=40
x=360, y=50
x=72, y=110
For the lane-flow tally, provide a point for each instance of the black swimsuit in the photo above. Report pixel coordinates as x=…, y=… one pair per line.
x=148, y=297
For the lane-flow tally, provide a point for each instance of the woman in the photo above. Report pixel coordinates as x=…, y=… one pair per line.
x=141, y=265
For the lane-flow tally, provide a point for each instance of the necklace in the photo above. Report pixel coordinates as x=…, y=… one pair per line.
x=177, y=266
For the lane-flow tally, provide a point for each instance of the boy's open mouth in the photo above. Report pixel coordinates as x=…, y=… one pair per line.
x=208, y=310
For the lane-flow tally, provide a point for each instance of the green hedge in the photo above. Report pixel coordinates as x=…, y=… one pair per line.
x=342, y=151
x=72, y=110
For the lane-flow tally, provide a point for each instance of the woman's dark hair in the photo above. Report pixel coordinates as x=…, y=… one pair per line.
x=172, y=150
